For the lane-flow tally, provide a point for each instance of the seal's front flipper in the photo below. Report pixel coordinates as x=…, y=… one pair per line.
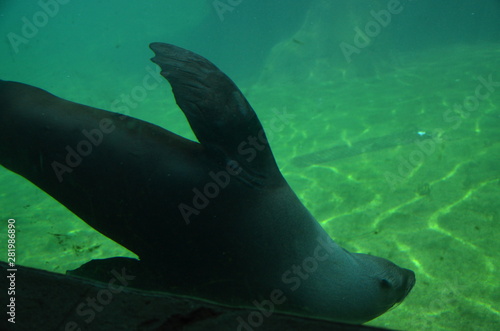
x=220, y=116
x=100, y=269
x=125, y=271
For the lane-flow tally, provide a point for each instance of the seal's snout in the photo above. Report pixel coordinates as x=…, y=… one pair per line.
x=408, y=281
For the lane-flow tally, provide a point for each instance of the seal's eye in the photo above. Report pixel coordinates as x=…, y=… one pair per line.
x=384, y=283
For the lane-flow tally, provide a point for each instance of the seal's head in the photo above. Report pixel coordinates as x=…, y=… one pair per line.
x=385, y=281
x=350, y=287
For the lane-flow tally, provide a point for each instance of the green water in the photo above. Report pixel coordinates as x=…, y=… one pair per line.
x=439, y=216
x=432, y=207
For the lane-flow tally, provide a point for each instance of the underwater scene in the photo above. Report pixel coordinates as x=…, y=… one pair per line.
x=383, y=118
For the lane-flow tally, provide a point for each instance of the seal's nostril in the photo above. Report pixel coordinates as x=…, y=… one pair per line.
x=384, y=283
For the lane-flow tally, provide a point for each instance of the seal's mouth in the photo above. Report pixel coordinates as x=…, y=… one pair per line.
x=408, y=283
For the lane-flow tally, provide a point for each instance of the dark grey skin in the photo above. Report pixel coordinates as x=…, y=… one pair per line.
x=252, y=243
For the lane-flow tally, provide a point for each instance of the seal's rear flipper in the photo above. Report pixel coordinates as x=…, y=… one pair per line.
x=220, y=116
